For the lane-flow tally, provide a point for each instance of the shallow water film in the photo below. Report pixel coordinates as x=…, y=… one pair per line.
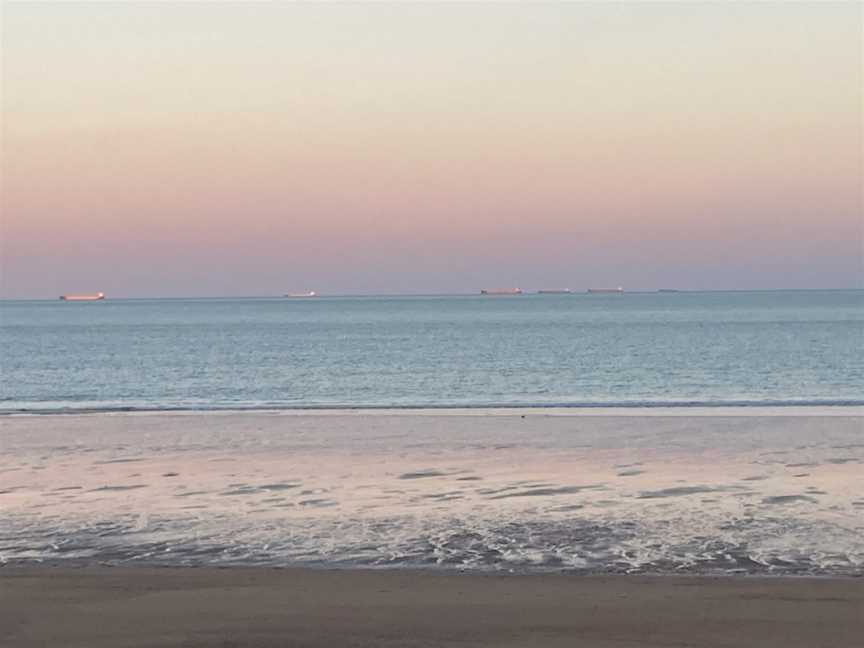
x=693, y=494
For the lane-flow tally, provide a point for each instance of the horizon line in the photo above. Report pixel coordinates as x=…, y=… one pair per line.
x=524, y=293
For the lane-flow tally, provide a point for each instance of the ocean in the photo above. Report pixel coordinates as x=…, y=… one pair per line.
x=580, y=350
x=709, y=433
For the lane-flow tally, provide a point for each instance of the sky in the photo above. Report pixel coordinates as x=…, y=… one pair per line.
x=257, y=148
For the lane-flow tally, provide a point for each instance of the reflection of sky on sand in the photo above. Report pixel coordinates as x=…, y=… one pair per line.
x=607, y=493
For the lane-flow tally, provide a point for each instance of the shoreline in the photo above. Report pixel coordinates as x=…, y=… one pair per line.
x=76, y=565
x=504, y=571
x=480, y=410
x=319, y=608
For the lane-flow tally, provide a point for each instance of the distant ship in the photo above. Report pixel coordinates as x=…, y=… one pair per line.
x=619, y=289
x=668, y=290
x=555, y=291
x=311, y=293
x=95, y=297
x=502, y=291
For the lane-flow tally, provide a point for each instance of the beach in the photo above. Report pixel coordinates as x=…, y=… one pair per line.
x=430, y=528
x=431, y=324
x=512, y=491
x=119, y=607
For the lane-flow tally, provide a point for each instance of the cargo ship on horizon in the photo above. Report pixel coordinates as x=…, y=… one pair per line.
x=501, y=291
x=618, y=289
x=94, y=297
x=311, y=293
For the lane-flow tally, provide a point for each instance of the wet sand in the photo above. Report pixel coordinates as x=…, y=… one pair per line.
x=119, y=607
x=707, y=495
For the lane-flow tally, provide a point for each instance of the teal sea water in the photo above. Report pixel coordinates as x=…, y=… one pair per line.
x=636, y=349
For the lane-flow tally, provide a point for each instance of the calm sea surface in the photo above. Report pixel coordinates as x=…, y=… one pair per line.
x=790, y=347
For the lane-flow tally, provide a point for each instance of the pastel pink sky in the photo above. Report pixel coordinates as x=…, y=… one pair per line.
x=154, y=149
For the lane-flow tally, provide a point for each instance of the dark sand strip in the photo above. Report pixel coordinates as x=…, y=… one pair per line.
x=113, y=607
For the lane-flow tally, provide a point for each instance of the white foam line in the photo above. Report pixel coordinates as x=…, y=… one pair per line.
x=520, y=412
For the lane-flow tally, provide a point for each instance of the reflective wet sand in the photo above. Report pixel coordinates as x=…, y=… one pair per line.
x=667, y=494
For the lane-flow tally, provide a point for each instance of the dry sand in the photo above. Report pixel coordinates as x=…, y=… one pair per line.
x=118, y=607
